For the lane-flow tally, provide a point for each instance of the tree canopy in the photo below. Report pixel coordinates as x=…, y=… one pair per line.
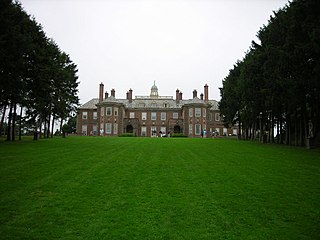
x=34, y=73
x=276, y=85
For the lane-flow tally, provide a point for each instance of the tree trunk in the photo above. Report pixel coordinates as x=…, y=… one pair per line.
x=2, y=118
x=48, y=127
x=9, y=123
x=52, y=126
x=20, y=123
x=61, y=123
x=14, y=117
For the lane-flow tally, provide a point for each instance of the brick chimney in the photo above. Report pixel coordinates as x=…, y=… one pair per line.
x=177, y=95
x=113, y=93
x=201, y=96
x=195, y=93
x=106, y=95
x=130, y=95
x=101, y=86
x=180, y=95
x=206, y=93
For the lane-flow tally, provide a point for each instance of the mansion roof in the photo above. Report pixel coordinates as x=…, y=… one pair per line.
x=154, y=101
x=143, y=103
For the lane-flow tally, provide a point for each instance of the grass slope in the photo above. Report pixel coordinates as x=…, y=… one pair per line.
x=147, y=188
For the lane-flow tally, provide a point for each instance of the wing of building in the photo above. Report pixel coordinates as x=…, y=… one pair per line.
x=151, y=115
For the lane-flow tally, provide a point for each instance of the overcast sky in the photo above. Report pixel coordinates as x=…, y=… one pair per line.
x=129, y=44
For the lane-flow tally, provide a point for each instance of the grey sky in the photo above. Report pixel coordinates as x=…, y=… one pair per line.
x=129, y=44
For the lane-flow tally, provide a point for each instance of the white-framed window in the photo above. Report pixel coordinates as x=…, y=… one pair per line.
x=190, y=112
x=198, y=112
x=225, y=131
x=84, y=115
x=153, y=116
x=115, y=111
x=95, y=115
x=153, y=131
x=115, y=128
x=204, y=112
x=101, y=129
x=198, y=129
x=108, y=128
x=165, y=105
x=131, y=114
x=217, y=117
x=163, y=116
x=109, y=111
x=235, y=131
x=102, y=111
x=144, y=116
x=190, y=129
x=143, y=131
x=84, y=129
x=163, y=130
x=175, y=115
x=218, y=131
x=95, y=129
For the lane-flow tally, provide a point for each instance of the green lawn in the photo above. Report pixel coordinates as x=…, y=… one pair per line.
x=157, y=188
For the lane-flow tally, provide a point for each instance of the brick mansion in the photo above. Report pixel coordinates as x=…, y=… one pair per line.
x=152, y=115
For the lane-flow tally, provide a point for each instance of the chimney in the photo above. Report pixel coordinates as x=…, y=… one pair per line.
x=195, y=93
x=206, y=93
x=201, y=96
x=177, y=95
x=101, y=92
x=106, y=95
x=180, y=95
x=127, y=95
x=113, y=93
x=130, y=95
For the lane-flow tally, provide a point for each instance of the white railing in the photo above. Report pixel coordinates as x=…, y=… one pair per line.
x=159, y=97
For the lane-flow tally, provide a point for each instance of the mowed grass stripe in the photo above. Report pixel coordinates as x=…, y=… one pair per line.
x=144, y=188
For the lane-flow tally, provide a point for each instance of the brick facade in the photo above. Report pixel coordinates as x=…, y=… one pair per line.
x=151, y=115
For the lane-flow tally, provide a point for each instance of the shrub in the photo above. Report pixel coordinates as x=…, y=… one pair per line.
x=127, y=135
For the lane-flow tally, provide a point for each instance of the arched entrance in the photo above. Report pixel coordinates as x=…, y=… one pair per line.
x=176, y=129
x=129, y=129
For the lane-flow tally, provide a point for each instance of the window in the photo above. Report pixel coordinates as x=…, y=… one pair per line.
x=190, y=112
x=102, y=111
x=108, y=128
x=115, y=111
x=115, y=128
x=175, y=115
x=153, y=116
x=198, y=129
x=163, y=130
x=84, y=115
x=204, y=112
x=143, y=131
x=144, y=116
x=109, y=111
x=153, y=105
x=163, y=116
x=95, y=129
x=141, y=105
x=84, y=129
x=198, y=112
x=95, y=115
x=190, y=129
x=131, y=114
x=165, y=105
x=235, y=131
x=101, y=129
x=217, y=117
x=225, y=131
x=153, y=131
